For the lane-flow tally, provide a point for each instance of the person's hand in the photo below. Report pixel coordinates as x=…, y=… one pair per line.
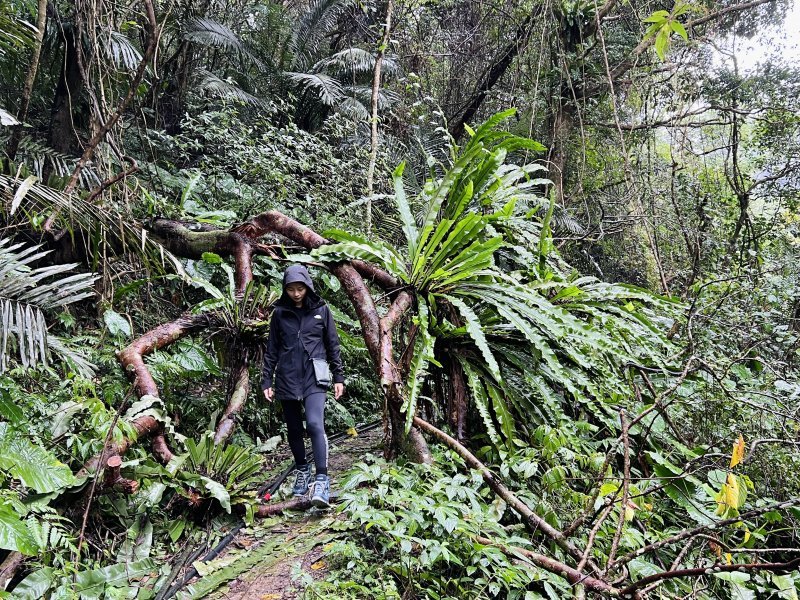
x=338, y=390
x=269, y=394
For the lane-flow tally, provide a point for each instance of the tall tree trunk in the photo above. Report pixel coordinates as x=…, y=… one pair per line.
x=494, y=72
x=27, y=90
x=376, y=88
x=457, y=400
x=62, y=132
x=562, y=123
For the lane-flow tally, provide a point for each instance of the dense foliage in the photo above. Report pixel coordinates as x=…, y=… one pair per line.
x=590, y=216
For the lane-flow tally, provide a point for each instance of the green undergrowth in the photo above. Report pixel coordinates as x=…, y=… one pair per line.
x=414, y=529
x=413, y=534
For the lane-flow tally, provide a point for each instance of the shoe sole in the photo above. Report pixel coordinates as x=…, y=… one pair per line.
x=318, y=502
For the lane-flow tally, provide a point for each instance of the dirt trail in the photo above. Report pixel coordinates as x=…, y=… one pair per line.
x=276, y=557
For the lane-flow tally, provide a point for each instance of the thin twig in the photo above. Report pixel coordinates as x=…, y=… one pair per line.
x=626, y=478
x=100, y=468
x=376, y=86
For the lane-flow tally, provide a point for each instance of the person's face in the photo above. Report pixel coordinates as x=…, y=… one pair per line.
x=296, y=292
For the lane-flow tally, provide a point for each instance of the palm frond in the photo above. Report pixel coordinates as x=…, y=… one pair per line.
x=25, y=293
x=324, y=87
x=41, y=158
x=357, y=61
x=208, y=32
x=353, y=109
x=15, y=33
x=386, y=98
x=312, y=26
x=98, y=225
x=227, y=90
x=122, y=51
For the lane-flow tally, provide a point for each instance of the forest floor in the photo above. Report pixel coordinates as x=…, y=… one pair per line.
x=276, y=558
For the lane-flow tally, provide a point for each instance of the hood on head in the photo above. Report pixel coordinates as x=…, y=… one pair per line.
x=299, y=274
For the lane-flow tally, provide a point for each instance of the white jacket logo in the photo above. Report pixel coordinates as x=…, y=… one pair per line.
x=318, y=316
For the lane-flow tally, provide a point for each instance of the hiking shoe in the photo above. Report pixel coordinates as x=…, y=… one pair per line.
x=321, y=492
x=302, y=480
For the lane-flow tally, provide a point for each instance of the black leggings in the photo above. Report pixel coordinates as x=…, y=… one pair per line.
x=315, y=423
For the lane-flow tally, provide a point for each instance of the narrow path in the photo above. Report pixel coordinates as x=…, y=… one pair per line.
x=275, y=558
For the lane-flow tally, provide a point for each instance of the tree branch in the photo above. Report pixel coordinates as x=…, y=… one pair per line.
x=574, y=576
x=534, y=522
x=700, y=571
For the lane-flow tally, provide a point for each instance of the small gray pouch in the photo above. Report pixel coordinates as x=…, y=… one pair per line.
x=322, y=372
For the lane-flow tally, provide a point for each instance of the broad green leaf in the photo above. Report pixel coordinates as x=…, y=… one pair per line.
x=138, y=541
x=218, y=491
x=35, y=585
x=678, y=28
x=475, y=330
x=33, y=465
x=662, y=41
x=96, y=580
x=14, y=533
x=9, y=410
x=116, y=323
x=658, y=16
x=409, y=224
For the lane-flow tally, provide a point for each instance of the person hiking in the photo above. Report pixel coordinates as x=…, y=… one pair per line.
x=303, y=356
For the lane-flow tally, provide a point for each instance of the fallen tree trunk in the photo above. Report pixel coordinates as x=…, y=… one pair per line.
x=241, y=388
x=132, y=360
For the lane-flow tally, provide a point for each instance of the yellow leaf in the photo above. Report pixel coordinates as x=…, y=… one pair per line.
x=352, y=432
x=737, y=455
x=746, y=535
x=272, y=597
x=630, y=508
x=728, y=558
x=320, y=564
x=731, y=488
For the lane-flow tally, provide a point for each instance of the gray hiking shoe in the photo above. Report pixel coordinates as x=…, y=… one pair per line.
x=321, y=492
x=302, y=480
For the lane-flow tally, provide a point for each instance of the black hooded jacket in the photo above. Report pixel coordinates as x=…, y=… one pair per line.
x=296, y=335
